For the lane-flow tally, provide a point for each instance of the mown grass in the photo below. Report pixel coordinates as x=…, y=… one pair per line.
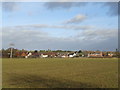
x=60, y=73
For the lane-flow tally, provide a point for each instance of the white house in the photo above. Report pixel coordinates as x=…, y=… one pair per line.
x=44, y=55
x=28, y=55
x=72, y=55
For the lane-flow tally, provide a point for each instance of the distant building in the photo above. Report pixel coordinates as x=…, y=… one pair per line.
x=24, y=54
x=110, y=54
x=28, y=55
x=95, y=54
x=72, y=55
x=44, y=55
x=64, y=56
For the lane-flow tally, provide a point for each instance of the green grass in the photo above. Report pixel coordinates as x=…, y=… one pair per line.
x=60, y=73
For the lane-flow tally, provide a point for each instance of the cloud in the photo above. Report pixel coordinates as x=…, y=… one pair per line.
x=101, y=39
x=32, y=39
x=113, y=8
x=22, y=37
x=10, y=6
x=64, y=5
x=36, y=39
x=73, y=27
x=100, y=34
x=77, y=19
x=46, y=26
x=40, y=26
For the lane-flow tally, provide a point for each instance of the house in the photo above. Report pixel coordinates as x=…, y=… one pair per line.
x=110, y=54
x=64, y=56
x=24, y=54
x=35, y=54
x=72, y=55
x=48, y=54
x=95, y=54
x=44, y=55
x=28, y=55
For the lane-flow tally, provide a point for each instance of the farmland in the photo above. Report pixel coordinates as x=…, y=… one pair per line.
x=60, y=73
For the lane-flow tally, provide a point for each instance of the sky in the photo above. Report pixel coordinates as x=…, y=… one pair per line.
x=60, y=25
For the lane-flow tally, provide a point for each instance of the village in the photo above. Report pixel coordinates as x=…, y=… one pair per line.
x=56, y=54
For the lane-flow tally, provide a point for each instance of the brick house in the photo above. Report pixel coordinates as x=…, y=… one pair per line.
x=95, y=54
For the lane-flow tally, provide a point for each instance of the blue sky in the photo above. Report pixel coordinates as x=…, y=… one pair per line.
x=66, y=26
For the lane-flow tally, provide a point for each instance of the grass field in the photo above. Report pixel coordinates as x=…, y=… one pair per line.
x=60, y=73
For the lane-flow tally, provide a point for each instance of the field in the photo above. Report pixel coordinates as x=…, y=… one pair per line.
x=60, y=73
